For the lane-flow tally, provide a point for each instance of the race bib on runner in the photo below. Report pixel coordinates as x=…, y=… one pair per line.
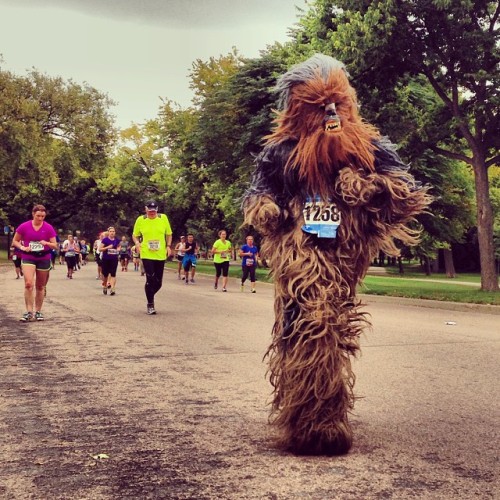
x=112, y=251
x=223, y=255
x=321, y=218
x=70, y=253
x=154, y=245
x=36, y=246
x=250, y=262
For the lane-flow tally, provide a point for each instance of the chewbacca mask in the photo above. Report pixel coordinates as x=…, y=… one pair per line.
x=327, y=194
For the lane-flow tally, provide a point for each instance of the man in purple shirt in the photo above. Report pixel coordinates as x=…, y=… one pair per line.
x=35, y=239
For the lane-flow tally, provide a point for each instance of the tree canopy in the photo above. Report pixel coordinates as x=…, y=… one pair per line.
x=55, y=137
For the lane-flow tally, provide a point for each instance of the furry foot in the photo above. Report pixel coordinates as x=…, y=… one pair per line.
x=335, y=441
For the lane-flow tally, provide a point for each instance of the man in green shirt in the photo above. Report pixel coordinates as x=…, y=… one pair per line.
x=153, y=235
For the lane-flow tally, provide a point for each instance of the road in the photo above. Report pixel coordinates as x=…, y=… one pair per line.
x=101, y=401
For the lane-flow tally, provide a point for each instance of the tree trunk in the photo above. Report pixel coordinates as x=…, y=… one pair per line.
x=381, y=258
x=449, y=266
x=427, y=263
x=489, y=277
x=400, y=264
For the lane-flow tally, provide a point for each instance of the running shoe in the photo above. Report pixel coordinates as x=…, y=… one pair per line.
x=179, y=277
x=253, y=290
x=39, y=316
x=215, y=287
x=112, y=292
x=27, y=316
x=151, y=309
x=242, y=288
x=109, y=285
x=105, y=291
x=192, y=280
x=187, y=282
x=224, y=290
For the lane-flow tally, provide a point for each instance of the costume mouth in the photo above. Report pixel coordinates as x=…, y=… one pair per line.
x=332, y=125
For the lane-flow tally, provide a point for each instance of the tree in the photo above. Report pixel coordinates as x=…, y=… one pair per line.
x=455, y=47
x=234, y=114
x=55, y=137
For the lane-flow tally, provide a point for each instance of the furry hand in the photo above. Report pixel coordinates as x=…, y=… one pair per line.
x=262, y=213
x=357, y=188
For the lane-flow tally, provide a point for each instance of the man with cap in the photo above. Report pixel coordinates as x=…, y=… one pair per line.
x=153, y=235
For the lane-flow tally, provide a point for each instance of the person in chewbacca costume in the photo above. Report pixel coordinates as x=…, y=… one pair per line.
x=327, y=194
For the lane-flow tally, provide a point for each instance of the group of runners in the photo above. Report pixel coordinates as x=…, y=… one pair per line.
x=222, y=252
x=35, y=244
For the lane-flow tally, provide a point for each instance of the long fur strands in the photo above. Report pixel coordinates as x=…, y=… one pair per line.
x=318, y=319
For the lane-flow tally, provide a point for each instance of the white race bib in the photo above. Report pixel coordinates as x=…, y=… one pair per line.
x=154, y=245
x=36, y=246
x=321, y=218
x=112, y=251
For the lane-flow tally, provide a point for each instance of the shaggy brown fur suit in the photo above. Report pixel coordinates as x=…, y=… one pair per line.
x=321, y=149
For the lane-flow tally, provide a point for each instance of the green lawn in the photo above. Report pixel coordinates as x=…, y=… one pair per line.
x=416, y=272
x=420, y=289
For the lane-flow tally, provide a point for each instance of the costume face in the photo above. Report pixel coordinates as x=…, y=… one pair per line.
x=321, y=116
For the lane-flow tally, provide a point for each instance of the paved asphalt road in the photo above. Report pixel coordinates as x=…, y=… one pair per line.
x=101, y=401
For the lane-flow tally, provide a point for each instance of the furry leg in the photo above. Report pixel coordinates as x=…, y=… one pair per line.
x=316, y=332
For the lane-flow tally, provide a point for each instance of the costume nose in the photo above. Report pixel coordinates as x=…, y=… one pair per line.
x=330, y=108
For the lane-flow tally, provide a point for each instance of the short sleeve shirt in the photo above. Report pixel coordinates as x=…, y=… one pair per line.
x=225, y=256
x=153, y=233
x=247, y=260
x=31, y=237
x=110, y=253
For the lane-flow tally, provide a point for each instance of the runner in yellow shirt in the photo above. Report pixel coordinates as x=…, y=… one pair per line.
x=153, y=235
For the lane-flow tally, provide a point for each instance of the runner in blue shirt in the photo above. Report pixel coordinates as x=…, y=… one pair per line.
x=250, y=254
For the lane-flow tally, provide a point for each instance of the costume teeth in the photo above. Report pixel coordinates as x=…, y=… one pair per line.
x=332, y=126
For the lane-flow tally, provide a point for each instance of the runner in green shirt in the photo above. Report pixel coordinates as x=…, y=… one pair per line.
x=221, y=251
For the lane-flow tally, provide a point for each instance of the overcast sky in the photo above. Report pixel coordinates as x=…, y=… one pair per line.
x=136, y=51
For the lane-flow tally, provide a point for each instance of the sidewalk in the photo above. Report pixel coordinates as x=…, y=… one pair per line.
x=382, y=271
x=431, y=304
